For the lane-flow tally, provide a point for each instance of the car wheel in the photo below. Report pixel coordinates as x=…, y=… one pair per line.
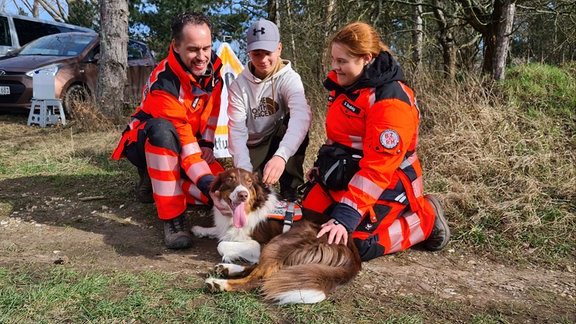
x=75, y=96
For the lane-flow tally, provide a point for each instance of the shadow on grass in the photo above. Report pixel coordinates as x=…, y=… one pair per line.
x=101, y=202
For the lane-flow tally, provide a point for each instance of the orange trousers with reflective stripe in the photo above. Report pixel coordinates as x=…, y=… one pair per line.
x=171, y=190
x=388, y=228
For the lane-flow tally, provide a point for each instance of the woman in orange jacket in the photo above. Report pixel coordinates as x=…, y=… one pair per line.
x=367, y=175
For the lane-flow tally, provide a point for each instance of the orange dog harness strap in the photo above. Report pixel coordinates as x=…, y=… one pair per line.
x=289, y=212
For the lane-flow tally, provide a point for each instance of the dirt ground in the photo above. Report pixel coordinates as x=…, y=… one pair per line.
x=42, y=224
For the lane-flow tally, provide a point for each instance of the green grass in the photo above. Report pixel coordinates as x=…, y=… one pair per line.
x=63, y=294
x=66, y=295
x=543, y=89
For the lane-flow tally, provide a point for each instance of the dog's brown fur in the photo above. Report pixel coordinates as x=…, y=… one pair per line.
x=294, y=267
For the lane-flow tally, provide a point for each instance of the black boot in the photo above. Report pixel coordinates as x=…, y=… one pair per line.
x=144, y=187
x=440, y=232
x=177, y=233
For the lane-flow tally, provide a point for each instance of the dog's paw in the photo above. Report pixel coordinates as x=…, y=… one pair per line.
x=227, y=270
x=196, y=230
x=216, y=285
x=199, y=231
x=221, y=270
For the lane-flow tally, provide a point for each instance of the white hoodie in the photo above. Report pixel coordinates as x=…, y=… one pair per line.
x=253, y=117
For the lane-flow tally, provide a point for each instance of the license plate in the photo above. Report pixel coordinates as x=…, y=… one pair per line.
x=4, y=90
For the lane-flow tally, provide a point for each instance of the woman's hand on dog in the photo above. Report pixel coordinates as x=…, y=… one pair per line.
x=337, y=233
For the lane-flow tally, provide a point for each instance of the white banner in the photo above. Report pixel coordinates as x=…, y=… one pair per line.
x=230, y=70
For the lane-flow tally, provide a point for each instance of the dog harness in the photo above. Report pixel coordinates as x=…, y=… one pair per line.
x=288, y=212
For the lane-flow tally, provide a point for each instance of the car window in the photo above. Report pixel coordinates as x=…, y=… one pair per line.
x=136, y=51
x=30, y=30
x=94, y=54
x=58, y=45
x=64, y=29
x=5, y=39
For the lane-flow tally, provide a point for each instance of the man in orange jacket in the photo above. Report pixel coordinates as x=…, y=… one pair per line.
x=170, y=137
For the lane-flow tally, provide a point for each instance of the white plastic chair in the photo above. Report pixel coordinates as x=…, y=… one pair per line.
x=45, y=108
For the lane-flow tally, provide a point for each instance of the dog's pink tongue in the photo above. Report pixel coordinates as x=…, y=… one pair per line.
x=239, y=217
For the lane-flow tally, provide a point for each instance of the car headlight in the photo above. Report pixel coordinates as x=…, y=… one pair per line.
x=48, y=69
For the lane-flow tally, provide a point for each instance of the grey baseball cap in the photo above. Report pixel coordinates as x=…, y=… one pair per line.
x=263, y=35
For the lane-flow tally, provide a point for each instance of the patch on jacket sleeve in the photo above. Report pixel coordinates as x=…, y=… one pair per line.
x=389, y=138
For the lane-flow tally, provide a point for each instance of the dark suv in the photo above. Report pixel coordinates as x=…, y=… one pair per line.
x=72, y=58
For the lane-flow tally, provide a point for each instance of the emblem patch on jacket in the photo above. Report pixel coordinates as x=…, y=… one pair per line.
x=389, y=138
x=266, y=107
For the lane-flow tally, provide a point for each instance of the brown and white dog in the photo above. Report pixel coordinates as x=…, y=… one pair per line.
x=293, y=267
x=241, y=233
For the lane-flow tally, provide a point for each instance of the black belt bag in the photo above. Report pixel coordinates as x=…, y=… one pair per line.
x=337, y=164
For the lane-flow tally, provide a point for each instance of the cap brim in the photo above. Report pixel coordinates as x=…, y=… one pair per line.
x=269, y=46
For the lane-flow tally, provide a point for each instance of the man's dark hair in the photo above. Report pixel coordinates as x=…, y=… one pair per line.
x=193, y=18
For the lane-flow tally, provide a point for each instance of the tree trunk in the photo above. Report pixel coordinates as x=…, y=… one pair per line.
x=417, y=37
x=503, y=31
x=489, y=40
x=36, y=9
x=272, y=9
x=495, y=28
x=330, y=15
x=113, y=58
x=295, y=55
x=446, y=40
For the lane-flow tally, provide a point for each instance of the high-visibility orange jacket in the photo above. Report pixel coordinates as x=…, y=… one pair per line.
x=378, y=115
x=191, y=104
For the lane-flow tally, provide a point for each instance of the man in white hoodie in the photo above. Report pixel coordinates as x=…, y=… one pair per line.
x=269, y=116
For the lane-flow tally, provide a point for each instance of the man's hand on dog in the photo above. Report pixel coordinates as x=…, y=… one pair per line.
x=337, y=233
x=273, y=170
x=216, y=199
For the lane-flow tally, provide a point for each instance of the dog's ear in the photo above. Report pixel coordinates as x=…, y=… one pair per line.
x=255, y=177
x=217, y=182
x=261, y=190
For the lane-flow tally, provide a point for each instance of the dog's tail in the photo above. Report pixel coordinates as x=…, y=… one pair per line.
x=307, y=283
